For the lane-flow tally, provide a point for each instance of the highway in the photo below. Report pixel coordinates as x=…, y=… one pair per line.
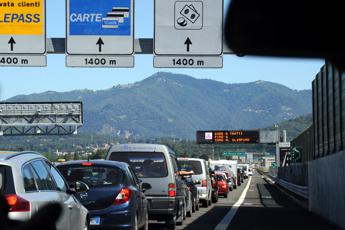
x=263, y=207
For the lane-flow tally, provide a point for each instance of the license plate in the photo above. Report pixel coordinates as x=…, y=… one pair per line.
x=95, y=221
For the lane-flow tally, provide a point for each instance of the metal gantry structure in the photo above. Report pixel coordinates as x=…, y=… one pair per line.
x=40, y=118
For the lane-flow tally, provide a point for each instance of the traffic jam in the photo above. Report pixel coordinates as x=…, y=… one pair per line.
x=136, y=184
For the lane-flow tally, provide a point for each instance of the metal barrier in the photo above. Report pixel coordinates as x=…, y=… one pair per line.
x=302, y=191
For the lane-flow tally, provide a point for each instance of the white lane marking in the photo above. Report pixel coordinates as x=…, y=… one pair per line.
x=224, y=224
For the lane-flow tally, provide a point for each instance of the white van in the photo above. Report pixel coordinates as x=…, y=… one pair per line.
x=202, y=174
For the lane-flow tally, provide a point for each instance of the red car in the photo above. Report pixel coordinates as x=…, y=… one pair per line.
x=222, y=185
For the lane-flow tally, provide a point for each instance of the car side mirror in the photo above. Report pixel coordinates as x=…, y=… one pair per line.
x=81, y=187
x=145, y=187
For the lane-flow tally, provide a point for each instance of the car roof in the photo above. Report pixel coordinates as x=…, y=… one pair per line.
x=189, y=159
x=118, y=164
x=7, y=155
x=141, y=147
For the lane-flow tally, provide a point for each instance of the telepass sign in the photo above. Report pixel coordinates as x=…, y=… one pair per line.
x=22, y=27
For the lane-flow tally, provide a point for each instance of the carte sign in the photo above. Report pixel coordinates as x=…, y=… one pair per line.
x=102, y=27
x=22, y=27
x=228, y=137
x=188, y=33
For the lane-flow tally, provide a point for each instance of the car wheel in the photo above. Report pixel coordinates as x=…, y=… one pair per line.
x=205, y=203
x=215, y=198
x=197, y=207
x=193, y=206
x=182, y=217
x=189, y=213
x=135, y=224
x=210, y=202
x=225, y=195
x=146, y=224
x=171, y=222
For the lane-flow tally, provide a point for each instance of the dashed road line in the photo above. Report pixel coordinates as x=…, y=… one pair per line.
x=223, y=225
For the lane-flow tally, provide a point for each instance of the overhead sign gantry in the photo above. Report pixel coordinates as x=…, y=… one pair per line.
x=40, y=118
x=23, y=33
x=100, y=33
x=188, y=34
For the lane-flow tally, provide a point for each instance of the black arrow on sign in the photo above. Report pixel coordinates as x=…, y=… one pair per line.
x=100, y=43
x=188, y=43
x=11, y=42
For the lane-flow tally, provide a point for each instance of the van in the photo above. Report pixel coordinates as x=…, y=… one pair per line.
x=202, y=174
x=156, y=165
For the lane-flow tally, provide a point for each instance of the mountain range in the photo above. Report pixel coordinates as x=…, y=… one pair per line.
x=175, y=105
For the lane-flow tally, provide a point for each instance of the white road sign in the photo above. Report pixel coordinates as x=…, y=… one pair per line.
x=103, y=27
x=188, y=27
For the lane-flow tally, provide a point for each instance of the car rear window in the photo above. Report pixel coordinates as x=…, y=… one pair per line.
x=93, y=176
x=6, y=180
x=190, y=165
x=220, y=177
x=144, y=164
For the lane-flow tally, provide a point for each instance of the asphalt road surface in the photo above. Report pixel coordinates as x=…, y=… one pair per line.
x=262, y=206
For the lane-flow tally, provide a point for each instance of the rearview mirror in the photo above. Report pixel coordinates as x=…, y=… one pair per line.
x=197, y=182
x=294, y=28
x=81, y=187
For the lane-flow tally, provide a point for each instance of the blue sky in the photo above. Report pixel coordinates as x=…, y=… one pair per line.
x=294, y=73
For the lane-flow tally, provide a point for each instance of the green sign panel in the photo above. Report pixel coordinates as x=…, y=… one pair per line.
x=231, y=154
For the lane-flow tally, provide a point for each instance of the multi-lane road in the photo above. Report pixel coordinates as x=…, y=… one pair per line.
x=257, y=204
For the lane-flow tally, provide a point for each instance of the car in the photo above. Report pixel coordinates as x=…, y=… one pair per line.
x=214, y=187
x=239, y=177
x=115, y=198
x=246, y=169
x=229, y=174
x=231, y=164
x=156, y=165
x=250, y=172
x=29, y=182
x=243, y=174
x=187, y=177
x=222, y=184
x=202, y=174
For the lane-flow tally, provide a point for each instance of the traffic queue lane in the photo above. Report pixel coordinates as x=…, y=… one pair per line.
x=264, y=207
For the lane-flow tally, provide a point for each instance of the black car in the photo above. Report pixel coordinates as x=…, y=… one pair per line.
x=115, y=198
x=194, y=191
x=214, y=186
x=239, y=177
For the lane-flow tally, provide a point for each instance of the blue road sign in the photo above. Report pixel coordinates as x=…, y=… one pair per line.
x=100, y=17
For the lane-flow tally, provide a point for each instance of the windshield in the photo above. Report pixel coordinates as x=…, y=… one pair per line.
x=144, y=164
x=93, y=176
x=195, y=166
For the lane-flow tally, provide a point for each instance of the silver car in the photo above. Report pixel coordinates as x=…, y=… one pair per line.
x=29, y=181
x=201, y=174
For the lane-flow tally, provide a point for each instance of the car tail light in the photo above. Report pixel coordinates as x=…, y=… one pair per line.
x=87, y=164
x=123, y=196
x=204, y=183
x=172, y=190
x=17, y=204
x=214, y=183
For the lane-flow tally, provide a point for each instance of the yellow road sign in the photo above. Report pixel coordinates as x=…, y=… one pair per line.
x=22, y=17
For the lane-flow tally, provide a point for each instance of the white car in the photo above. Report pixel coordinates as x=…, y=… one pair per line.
x=29, y=181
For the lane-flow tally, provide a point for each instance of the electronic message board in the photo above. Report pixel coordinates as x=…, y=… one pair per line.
x=228, y=137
